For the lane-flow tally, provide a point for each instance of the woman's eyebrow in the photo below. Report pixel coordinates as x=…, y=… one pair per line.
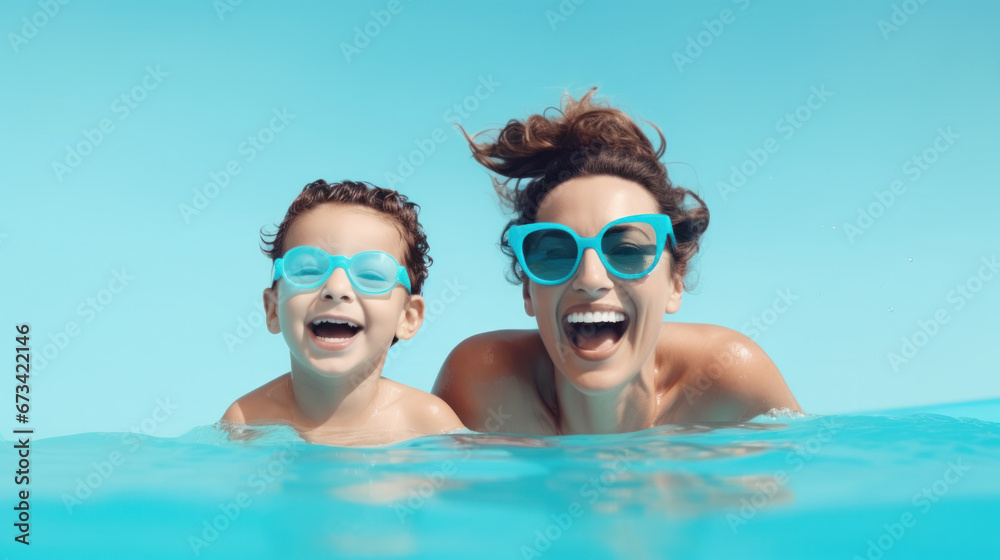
x=627, y=228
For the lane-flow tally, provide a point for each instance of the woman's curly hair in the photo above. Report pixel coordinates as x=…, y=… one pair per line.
x=582, y=139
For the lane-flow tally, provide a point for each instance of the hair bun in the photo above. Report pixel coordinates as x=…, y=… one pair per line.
x=585, y=139
x=525, y=149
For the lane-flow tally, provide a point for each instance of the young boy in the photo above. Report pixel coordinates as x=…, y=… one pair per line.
x=350, y=260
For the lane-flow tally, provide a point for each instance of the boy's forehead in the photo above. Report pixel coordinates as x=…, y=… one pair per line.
x=341, y=229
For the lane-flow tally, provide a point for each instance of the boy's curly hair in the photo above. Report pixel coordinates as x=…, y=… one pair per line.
x=388, y=202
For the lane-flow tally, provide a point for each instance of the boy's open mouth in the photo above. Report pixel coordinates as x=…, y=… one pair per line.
x=594, y=331
x=330, y=329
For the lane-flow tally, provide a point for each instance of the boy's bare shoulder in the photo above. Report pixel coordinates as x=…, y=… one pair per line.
x=419, y=410
x=266, y=404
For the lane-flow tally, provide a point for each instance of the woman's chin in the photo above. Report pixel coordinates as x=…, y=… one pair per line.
x=595, y=381
x=594, y=377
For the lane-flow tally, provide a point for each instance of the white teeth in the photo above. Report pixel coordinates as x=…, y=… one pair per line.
x=596, y=317
x=334, y=322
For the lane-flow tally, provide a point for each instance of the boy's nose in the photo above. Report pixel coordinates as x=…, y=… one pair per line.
x=338, y=286
x=591, y=276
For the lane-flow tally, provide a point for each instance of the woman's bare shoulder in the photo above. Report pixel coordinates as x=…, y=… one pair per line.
x=720, y=374
x=491, y=354
x=489, y=374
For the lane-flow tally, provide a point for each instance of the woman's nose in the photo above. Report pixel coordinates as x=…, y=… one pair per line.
x=591, y=276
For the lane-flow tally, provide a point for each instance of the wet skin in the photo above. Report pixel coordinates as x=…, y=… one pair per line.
x=540, y=382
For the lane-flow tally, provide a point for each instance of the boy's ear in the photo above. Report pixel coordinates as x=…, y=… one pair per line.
x=412, y=318
x=271, y=310
x=529, y=307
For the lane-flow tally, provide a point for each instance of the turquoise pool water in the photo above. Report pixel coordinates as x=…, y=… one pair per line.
x=919, y=485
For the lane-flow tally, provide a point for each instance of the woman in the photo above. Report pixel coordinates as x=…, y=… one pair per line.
x=600, y=242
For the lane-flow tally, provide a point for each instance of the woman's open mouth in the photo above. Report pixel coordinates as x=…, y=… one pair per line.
x=595, y=335
x=331, y=333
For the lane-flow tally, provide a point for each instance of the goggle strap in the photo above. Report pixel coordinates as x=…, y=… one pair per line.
x=403, y=277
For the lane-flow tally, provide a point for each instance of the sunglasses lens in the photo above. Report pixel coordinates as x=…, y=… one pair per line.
x=373, y=272
x=306, y=266
x=550, y=254
x=630, y=248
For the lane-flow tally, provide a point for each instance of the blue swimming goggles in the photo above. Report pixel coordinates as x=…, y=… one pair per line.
x=370, y=272
x=629, y=247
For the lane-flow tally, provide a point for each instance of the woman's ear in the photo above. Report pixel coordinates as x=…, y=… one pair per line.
x=271, y=310
x=411, y=318
x=529, y=307
x=676, y=293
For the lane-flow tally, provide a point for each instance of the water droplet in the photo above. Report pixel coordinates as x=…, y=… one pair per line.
x=910, y=259
x=890, y=310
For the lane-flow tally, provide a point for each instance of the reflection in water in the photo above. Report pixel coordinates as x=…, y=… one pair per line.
x=670, y=492
x=330, y=436
x=674, y=473
x=653, y=476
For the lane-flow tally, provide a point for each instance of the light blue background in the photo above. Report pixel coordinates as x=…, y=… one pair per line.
x=163, y=336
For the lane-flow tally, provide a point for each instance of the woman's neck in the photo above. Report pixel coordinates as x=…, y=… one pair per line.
x=330, y=401
x=630, y=407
